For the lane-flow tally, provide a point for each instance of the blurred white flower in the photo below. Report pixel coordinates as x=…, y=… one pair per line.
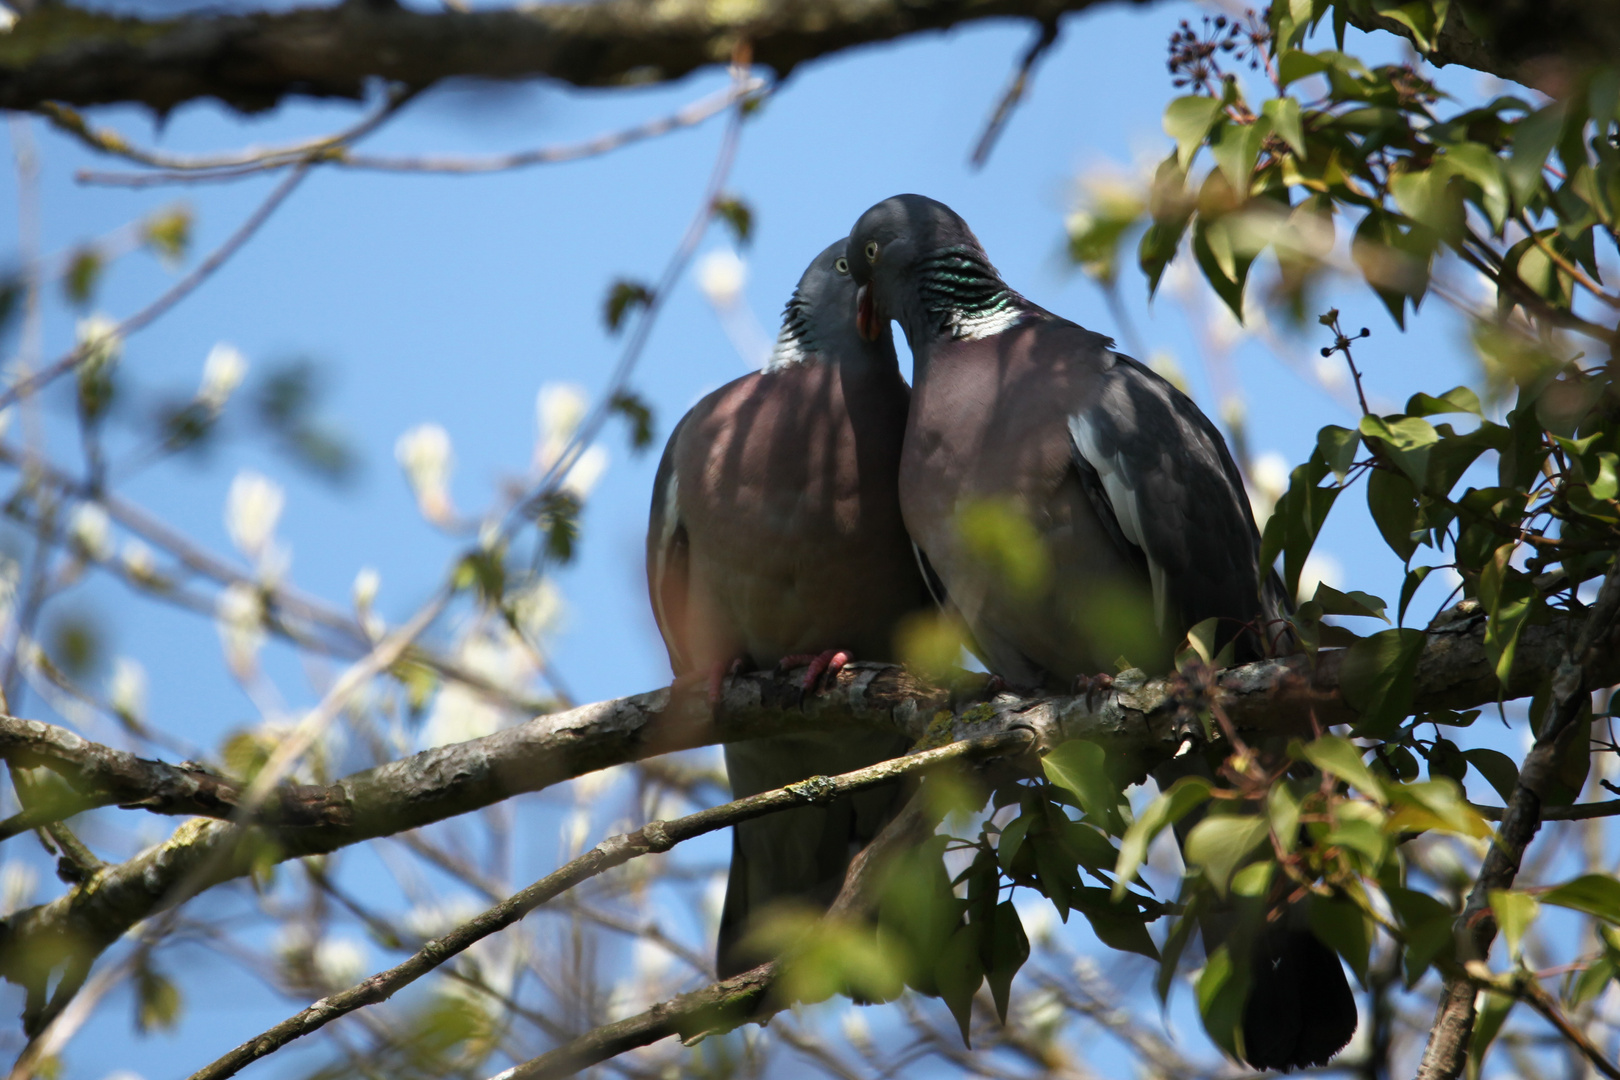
x=97, y=340
x=1268, y=474
x=1331, y=372
x=649, y=959
x=138, y=560
x=425, y=455
x=128, y=691
x=575, y=830
x=239, y=616
x=340, y=961
x=1319, y=569
x=856, y=1029
x=366, y=583
x=721, y=274
x=223, y=372
x=17, y=884
x=559, y=408
x=431, y=920
x=10, y=575
x=538, y=607
x=5, y=419
x=91, y=531
x=252, y=508
x=586, y=788
x=585, y=472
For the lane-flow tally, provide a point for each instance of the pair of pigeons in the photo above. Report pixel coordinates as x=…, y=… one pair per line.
x=800, y=513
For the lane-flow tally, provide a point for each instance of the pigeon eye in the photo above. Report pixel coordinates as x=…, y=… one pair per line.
x=871, y=251
x=842, y=266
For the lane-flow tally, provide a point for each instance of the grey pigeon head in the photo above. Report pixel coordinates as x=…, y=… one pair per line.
x=819, y=320
x=916, y=260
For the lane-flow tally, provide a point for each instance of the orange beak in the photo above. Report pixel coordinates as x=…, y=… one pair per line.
x=866, y=321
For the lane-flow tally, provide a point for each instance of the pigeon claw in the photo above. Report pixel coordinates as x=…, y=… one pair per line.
x=717, y=679
x=819, y=666
x=1092, y=685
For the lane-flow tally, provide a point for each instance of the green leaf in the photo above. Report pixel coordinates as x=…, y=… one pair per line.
x=1218, y=843
x=1595, y=894
x=1478, y=164
x=1297, y=519
x=1414, y=578
x=1338, y=447
x=157, y=1001
x=1187, y=120
x=1342, y=758
x=1335, y=602
x=622, y=296
x=1436, y=804
x=1222, y=989
x=958, y=973
x=83, y=272
x=1165, y=810
x=1514, y=912
x=1117, y=926
x=1393, y=503
x=558, y=519
x=1009, y=948
x=1080, y=767
x=1012, y=838
x=1508, y=596
x=639, y=416
x=1236, y=148
x=1283, y=113
x=1459, y=399
x=1224, y=267
x=738, y=216
x=168, y=233
x=1001, y=539
x=1427, y=926
x=1493, y=1011
x=1343, y=927
x=1533, y=139
x=1406, y=440
x=1591, y=982
x=1376, y=679
x=1499, y=770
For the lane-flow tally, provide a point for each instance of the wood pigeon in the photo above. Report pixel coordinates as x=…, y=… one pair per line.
x=1027, y=429
x=775, y=535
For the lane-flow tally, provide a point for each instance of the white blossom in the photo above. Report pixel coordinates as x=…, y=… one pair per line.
x=586, y=470
x=425, y=455
x=128, y=691
x=239, y=615
x=340, y=961
x=721, y=275
x=91, y=531
x=538, y=607
x=17, y=884
x=223, y=372
x=1319, y=569
x=252, y=509
x=97, y=340
x=1268, y=475
x=138, y=559
x=559, y=409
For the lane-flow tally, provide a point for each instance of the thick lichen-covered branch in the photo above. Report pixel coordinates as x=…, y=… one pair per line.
x=1141, y=721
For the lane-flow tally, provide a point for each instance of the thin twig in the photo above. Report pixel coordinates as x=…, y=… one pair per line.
x=655, y=836
x=28, y=384
x=1447, y=1049
x=1014, y=93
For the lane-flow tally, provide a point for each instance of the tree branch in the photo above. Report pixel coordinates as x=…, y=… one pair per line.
x=60, y=53
x=655, y=836
x=744, y=998
x=1447, y=1049
x=1139, y=722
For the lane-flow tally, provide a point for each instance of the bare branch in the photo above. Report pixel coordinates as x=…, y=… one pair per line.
x=1447, y=1049
x=1136, y=722
x=744, y=998
x=655, y=836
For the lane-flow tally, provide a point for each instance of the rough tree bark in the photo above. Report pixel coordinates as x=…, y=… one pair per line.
x=1140, y=721
x=56, y=52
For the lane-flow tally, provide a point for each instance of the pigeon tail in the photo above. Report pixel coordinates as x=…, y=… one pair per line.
x=1300, y=1010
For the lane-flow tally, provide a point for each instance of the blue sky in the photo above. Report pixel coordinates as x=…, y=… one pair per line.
x=453, y=300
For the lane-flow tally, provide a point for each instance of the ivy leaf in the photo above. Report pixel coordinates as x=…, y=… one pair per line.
x=1499, y=770
x=1080, y=767
x=1533, y=139
x=1218, y=843
x=1376, y=679
x=622, y=297
x=1595, y=894
x=1338, y=447
x=1514, y=912
x=639, y=416
x=1393, y=503
x=157, y=1001
x=1341, y=758
x=1167, y=809
x=958, y=973
x=1459, y=399
x=1493, y=1013
x=1406, y=441
x=738, y=216
x=1187, y=120
x=1354, y=603
x=83, y=273
x=1009, y=948
x=1342, y=926
x=1283, y=113
x=1508, y=596
x=1297, y=520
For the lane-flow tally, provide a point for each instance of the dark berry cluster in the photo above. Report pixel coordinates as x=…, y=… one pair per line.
x=1195, y=54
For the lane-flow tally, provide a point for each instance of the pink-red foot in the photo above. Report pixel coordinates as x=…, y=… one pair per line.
x=717, y=678
x=1092, y=685
x=820, y=665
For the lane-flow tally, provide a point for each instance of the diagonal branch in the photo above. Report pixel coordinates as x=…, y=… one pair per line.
x=744, y=998
x=1137, y=723
x=1447, y=1049
x=655, y=836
